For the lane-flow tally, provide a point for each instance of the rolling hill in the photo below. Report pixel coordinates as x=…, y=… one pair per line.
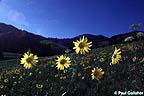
x=19, y=41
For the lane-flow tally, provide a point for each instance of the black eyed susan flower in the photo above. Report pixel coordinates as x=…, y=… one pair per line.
x=116, y=57
x=30, y=74
x=20, y=77
x=61, y=77
x=6, y=80
x=17, y=71
x=134, y=59
x=29, y=60
x=56, y=75
x=97, y=73
x=142, y=60
x=14, y=83
x=79, y=74
x=39, y=86
x=101, y=60
x=83, y=77
x=3, y=95
x=82, y=46
x=40, y=72
x=63, y=62
x=1, y=86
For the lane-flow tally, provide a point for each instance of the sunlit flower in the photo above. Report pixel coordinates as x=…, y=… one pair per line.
x=116, y=57
x=1, y=86
x=13, y=77
x=79, y=74
x=39, y=72
x=39, y=86
x=134, y=59
x=64, y=77
x=56, y=75
x=17, y=71
x=5, y=80
x=63, y=62
x=20, y=77
x=83, y=77
x=3, y=95
x=101, y=60
x=82, y=46
x=142, y=60
x=97, y=73
x=14, y=83
x=73, y=74
x=61, y=77
x=30, y=74
x=29, y=60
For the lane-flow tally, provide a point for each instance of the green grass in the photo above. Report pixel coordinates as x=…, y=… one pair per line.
x=127, y=75
x=10, y=55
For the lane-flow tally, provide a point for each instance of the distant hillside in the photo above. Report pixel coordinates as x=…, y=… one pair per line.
x=14, y=40
x=120, y=37
x=19, y=41
x=97, y=40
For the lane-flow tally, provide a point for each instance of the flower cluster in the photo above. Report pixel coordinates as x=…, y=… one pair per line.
x=83, y=73
x=81, y=46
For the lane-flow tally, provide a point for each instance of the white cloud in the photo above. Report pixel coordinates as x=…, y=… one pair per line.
x=16, y=16
x=12, y=15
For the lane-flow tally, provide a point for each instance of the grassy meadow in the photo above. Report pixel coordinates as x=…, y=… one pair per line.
x=45, y=80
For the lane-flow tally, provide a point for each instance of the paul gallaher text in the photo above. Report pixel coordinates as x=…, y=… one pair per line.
x=132, y=93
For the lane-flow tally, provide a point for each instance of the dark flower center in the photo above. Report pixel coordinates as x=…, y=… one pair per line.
x=29, y=60
x=114, y=56
x=63, y=61
x=96, y=74
x=81, y=45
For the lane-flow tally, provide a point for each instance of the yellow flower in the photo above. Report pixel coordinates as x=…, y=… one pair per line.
x=39, y=72
x=64, y=77
x=17, y=71
x=134, y=59
x=82, y=45
x=142, y=60
x=6, y=80
x=116, y=57
x=61, y=77
x=39, y=86
x=3, y=95
x=29, y=60
x=14, y=83
x=30, y=74
x=20, y=77
x=97, y=73
x=1, y=86
x=73, y=74
x=56, y=75
x=83, y=77
x=79, y=74
x=101, y=60
x=63, y=62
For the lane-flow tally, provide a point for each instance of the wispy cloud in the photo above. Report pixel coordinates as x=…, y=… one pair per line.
x=12, y=15
x=17, y=17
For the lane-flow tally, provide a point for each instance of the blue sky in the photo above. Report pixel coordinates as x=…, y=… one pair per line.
x=69, y=18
